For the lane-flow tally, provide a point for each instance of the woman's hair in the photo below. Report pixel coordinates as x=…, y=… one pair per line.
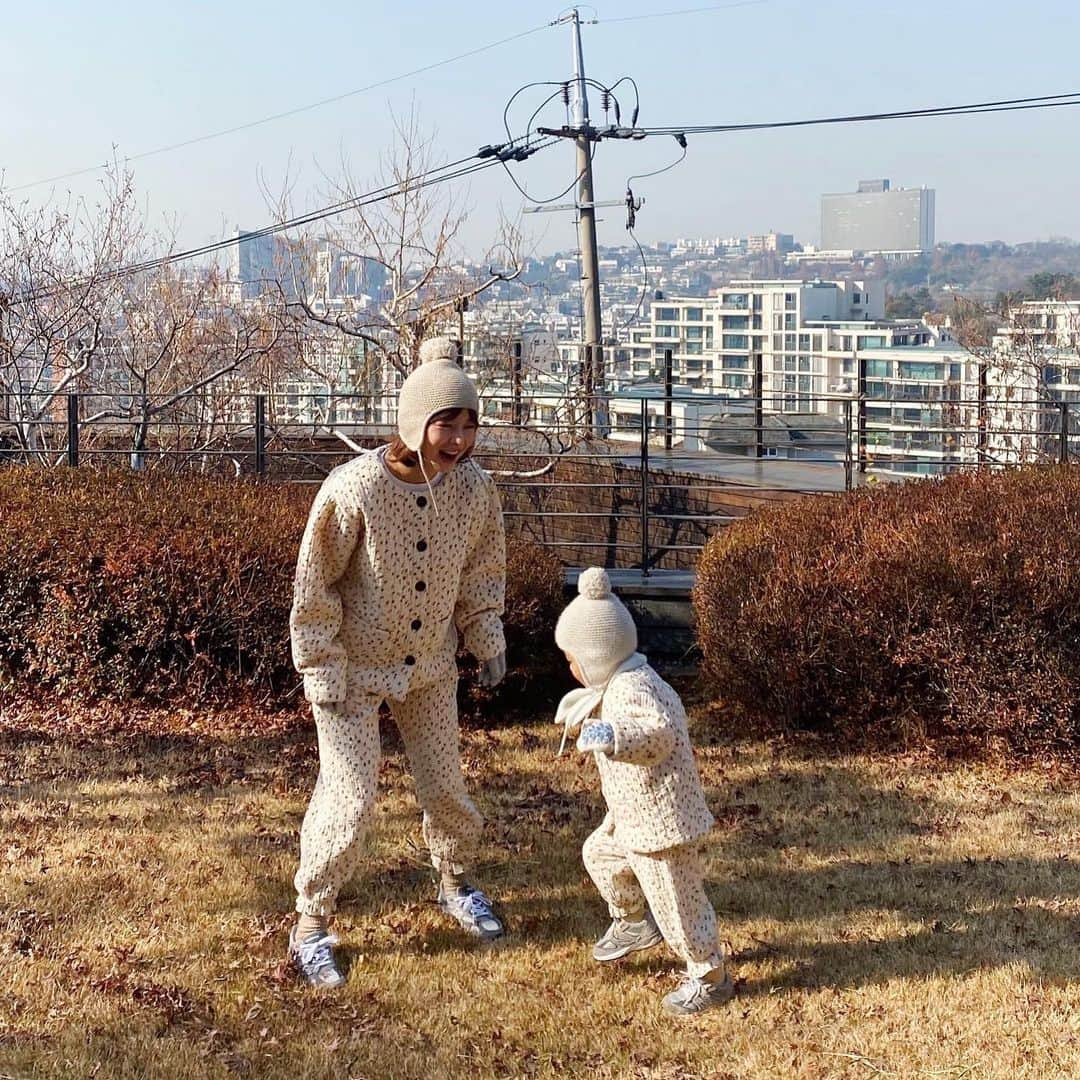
x=397, y=450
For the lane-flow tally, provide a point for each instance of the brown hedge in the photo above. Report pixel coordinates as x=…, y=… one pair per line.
x=945, y=609
x=123, y=587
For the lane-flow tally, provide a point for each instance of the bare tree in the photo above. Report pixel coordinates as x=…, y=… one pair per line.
x=1028, y=360
x=185, y=349
x=56, y=288
x=404, y=255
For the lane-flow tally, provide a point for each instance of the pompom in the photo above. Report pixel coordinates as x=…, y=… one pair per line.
x=438, y=348
x=594, y=583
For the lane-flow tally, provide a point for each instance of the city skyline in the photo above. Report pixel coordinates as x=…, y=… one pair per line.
x=153, y=79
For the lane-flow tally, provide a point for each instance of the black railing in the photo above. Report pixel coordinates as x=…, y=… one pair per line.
x=631, y=479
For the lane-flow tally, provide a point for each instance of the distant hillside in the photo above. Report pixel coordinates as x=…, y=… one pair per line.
x=986, y=269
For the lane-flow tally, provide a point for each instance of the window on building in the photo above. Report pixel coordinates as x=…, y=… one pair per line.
x=736, y=322
x=736, y=341
x=667, y=314
x=789, y=342
x=917, y=369
x=735, y=361
x=880, y=369
x=667, y=331
x=733, y=381
x=736, y=300
x=789, y=301
x=870, y=341
x=804, y=342
x=789, y=321
x=695, y=314
x=695, y=333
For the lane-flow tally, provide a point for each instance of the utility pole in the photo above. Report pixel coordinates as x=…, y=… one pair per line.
x=586, y=210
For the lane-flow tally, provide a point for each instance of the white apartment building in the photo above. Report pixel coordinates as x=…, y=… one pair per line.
x=792, y=325
x=919, y=408
x=1033, y=383
x=823, y=349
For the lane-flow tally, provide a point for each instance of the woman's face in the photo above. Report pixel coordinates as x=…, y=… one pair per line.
x=448, y=439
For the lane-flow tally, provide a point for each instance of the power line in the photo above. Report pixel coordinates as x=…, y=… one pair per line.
x=479, y=163
x=1047, y=101
x=684, y=11
x=281, y=115
x=644, y=283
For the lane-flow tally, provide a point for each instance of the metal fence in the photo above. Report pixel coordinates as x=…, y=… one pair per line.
x=628, y=480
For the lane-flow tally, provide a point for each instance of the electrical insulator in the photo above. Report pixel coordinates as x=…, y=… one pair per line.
x=566, y=93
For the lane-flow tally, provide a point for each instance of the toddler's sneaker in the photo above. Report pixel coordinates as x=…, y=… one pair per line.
x=696, y=995
x=472, y=909
x=313, y=959
x=622, y=938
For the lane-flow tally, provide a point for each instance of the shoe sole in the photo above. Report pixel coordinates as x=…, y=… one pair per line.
x=639, y=946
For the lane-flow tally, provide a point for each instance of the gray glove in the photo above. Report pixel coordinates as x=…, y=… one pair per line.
x=492, y=671
x=599, y=737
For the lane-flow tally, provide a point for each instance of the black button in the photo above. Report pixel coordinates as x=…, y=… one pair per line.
x=421, y=586
x=410, y=660
x=421, y=501
x=416, y=624
x=421, y=545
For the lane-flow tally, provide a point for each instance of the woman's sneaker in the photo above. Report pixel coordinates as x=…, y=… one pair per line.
x=622, y=938
x=472, y=909
x=695, y=995
x=313, y=959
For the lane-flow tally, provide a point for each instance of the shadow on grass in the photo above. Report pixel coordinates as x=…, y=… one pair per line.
x=800, y=843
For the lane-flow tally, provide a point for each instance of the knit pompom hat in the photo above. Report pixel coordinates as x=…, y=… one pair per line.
x=596, y=629
x=437, y=384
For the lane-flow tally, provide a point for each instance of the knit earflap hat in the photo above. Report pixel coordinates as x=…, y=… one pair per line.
x=437, y=384
x=596, y=629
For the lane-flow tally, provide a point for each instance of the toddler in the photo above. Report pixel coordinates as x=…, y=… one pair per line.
x=644, y=858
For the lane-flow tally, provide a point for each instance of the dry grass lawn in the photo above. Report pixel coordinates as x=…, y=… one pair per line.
x=887, y=918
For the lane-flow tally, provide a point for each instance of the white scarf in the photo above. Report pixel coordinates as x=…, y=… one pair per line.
x=578, y=704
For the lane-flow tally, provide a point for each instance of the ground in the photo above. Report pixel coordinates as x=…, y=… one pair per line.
x=887, y=916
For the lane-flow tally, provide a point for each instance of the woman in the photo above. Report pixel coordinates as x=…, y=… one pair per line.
x=404, y=550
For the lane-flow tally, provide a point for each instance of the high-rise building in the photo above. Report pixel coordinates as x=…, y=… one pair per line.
x=262, y=263
x=340, y=273
x=254, y=262
x=878, y=218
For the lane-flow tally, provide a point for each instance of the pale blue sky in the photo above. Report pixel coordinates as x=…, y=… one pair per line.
x=77, y=79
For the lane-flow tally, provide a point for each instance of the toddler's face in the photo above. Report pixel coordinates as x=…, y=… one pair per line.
x=574, y=669
x=448, y=439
